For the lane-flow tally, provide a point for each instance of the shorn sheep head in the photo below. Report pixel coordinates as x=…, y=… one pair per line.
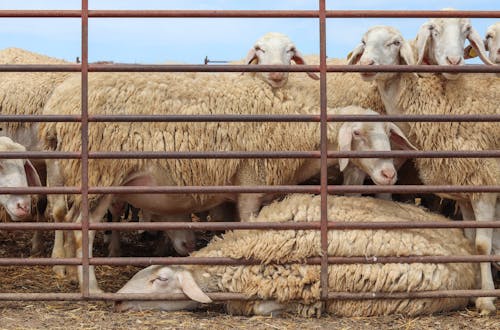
x=440, y=41
x=491, y=44
x=16, y=173
x=275, y=48
x=381, y=45
x=163, y=280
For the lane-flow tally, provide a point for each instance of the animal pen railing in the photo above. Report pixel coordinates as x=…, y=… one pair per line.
x=323, y=154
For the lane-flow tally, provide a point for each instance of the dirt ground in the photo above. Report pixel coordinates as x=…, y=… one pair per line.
x=99, y=315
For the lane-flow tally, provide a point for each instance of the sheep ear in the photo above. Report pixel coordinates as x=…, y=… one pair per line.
x=354, y=56
x=398, y=138
x=191, y=288
x=469, y=52
x=298, y=59
x=252, y=57
x=478, y=44
x=406, y=53
x=345, y=140
x=32, y=175
x=422, y=42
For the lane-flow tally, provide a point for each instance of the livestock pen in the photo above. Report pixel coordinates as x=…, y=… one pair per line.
x=31, y=295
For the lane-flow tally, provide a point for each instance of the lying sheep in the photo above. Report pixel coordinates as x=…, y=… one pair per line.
x=16, y=173
x=278, y=285
x=201, y=95
x=404, y=93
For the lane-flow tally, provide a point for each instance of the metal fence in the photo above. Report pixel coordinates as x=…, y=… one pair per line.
x=323, y=154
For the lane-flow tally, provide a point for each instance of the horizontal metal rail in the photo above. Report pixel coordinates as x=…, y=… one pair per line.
x=309, y=189
x=477, y=68
x=223, y=296
x=313, y=225
x=147, y=261
x=250, y=13
x=249, y=154
x=251, y=118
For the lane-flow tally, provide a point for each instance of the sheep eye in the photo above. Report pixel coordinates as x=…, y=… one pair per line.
x=257, y=48
x=363, y=42
x=356, y=133
x=488, y=36
x=396, y=43
x=163, y=279
x=468, y=28
x=292, y=50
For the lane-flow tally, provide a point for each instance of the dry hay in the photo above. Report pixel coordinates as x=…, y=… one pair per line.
x=99, y=315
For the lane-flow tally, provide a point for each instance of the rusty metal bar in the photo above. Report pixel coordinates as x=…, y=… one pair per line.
x=215, y=296
x=312, y=225
x=250, y=154
x=252, y=118
x=85, y=151
x=250, y=13
x=317, y=261
x=323, y=151
x=476, y=68
x=310, y=189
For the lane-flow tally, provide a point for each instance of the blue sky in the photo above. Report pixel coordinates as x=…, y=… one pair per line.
x=190, y=40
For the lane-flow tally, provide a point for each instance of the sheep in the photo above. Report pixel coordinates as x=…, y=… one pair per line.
x=26, y=93
x=200, y=94
x=275, y=48
x=16, y=173
x=440, y=41
x=492, y=42
x=278, y=282
x=404, y=93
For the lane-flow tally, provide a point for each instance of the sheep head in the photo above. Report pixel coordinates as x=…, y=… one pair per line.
x=275, y=49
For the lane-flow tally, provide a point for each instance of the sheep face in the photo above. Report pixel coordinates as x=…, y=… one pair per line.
x=381, y=45
x=492, y=43
x=162, y=280
x=440, y=41
x=372, y=137
x=275, y=49
x=16, y=173
x=183, y=241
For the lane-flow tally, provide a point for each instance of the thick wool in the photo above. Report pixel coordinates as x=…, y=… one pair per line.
x=302, y=282
x=202, y=94
x=469, y=94
x=26, y=93
x=342, y=88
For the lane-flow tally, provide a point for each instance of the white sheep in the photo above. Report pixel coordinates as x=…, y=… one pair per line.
x=16, y=173
x=440, y=41
x=201, y=94
x=279, y=284
x=275, y=48
x=25, y=94
x=492, y=42
x=403, y=93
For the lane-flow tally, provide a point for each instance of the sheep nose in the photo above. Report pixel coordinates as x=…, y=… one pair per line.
x=388, y=174
x=454, y=60
x=367, y=61
x=276, y=76
x=22, y=209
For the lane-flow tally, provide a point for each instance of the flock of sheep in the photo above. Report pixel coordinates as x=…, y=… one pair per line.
x=283, y=287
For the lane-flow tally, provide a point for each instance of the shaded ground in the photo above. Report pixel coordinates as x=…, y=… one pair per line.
x=99, y=315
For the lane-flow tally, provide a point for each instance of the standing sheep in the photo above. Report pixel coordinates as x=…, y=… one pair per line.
x=404, y=93
x=201, y=95
x=26, y=94
x=492, y=42
x=279, y=284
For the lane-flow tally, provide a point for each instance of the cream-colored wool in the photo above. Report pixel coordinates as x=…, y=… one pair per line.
x=342, y=88
x=295, y=281
x=469, y=94
x=189, y=94
x=25, y=93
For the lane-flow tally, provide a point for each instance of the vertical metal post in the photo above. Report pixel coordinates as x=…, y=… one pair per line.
x=85, y=156
x=324, y=150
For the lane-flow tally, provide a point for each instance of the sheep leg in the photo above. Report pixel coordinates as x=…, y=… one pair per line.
x=484, y=210
x=249, y=204
x=116, y=210
x=36, y=240
x=95, y=216
x=468, y=215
